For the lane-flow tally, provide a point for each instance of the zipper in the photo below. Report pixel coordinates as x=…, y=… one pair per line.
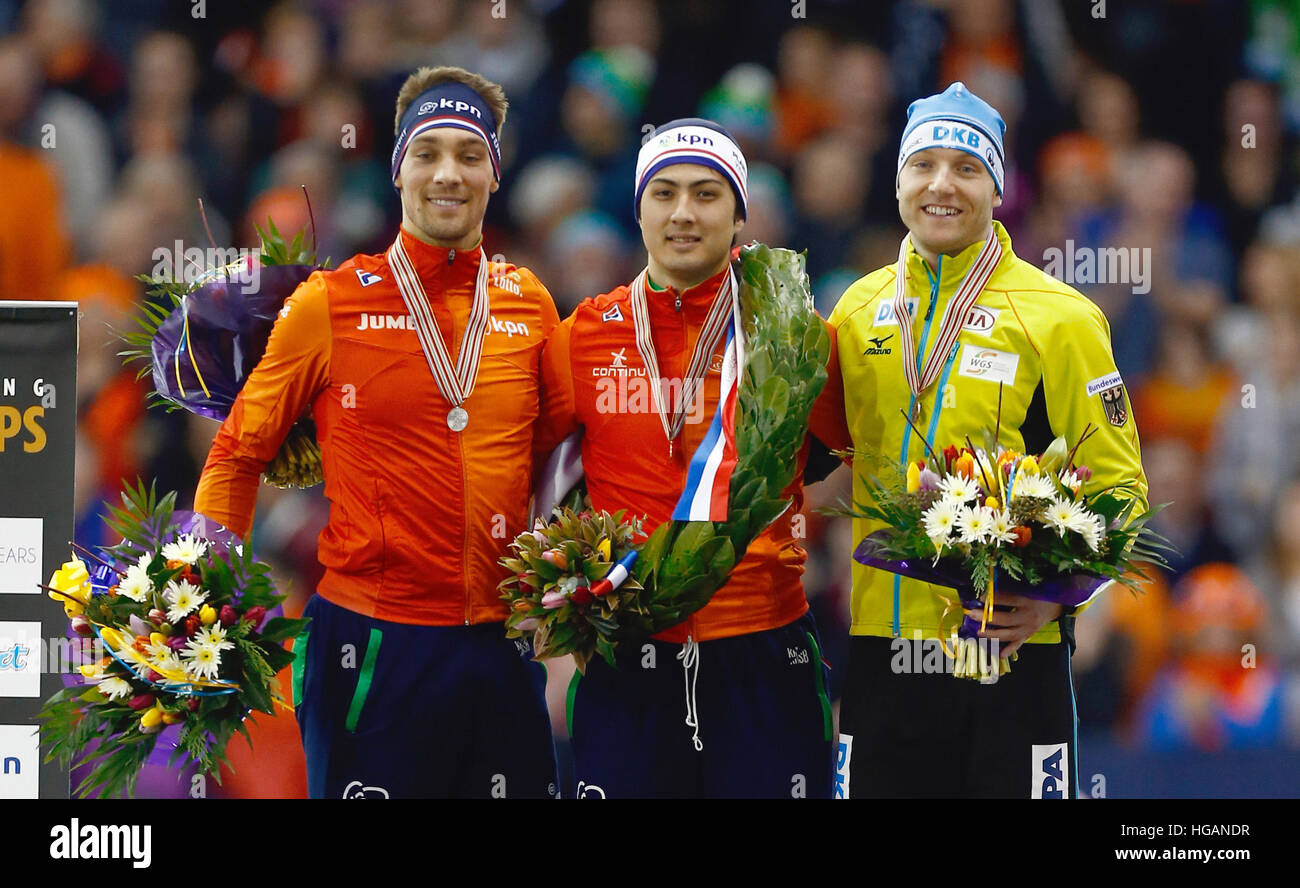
x=907, y=434
x=691, y=626
x=451, y=256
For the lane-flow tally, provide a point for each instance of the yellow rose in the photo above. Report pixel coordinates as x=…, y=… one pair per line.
x=207, y=616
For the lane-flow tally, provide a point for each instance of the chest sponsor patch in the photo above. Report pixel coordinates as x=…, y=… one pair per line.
x=988, y=363
x=612, y=314
x=367, y=278
x=980, y=319
x=885, y=312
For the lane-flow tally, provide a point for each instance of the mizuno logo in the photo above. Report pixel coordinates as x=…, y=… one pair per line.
x=878, y=345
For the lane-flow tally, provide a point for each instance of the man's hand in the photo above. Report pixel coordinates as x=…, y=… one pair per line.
x=1021, y=619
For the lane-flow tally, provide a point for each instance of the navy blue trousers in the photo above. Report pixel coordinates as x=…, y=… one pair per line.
x=762, y=719
x=390, y=710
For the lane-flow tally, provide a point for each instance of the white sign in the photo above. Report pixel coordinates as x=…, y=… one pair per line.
x=20, y=756
x=20, y=659
x=1049, y=772
x=20, y=555
x=988, y=363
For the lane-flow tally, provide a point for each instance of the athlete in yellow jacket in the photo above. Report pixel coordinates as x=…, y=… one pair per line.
x=982, y=323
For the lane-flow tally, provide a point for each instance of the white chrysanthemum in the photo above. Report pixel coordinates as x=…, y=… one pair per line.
x=170, y=667
x=183, y=597
x=157, y=650
x=974, y=523
x=940, y=522
x=186, y=548
x=136, y=584
x=115, y=688
x=214, y=635
x=1070, y=479
x=1000, y=527
x=1063, y=515
x=1039, y=486
x=959, y=489
x=202, y=660
x=145, y=560
x=1094, y=532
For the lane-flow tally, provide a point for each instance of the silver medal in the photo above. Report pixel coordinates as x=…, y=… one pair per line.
x=457, y=419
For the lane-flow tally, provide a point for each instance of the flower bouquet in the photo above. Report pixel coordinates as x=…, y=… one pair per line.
x=200, y=340
x=980, y=520
x=586, y=581
x=174, y=622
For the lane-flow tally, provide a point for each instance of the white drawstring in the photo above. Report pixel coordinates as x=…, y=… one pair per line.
x=690, y=657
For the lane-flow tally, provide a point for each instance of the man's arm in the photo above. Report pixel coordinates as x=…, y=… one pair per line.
x=1083, y=389
x=291, y=373
x=827, y=421
x=557, y=418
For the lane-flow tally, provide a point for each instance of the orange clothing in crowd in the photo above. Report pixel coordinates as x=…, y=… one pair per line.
x=33, y=248
x=419, y=514
x=1170, y=409
x=625, y=454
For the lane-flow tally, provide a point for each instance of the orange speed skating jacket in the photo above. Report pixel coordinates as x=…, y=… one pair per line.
x=419, y=514
x=588, y=358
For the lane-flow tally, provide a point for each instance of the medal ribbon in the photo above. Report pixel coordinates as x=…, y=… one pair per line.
x=455, y=385
x=953, y=316
x=715, y=325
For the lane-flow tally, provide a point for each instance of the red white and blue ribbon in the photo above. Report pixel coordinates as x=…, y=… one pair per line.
x=617, y=574
x=708, y=477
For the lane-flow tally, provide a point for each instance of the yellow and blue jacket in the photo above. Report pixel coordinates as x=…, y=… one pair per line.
x=1044, y=341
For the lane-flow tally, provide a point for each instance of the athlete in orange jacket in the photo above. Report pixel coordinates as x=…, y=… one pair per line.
x=420, y=368
x=759, y=673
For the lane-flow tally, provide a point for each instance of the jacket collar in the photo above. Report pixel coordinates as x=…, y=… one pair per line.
x=434, y=263
x=695, y=300
x=953, y=268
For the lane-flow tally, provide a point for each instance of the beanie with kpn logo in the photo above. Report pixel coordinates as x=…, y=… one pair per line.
x=698, y=141
x=956, y=118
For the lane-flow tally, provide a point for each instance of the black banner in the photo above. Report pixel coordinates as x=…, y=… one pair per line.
x=38, y=423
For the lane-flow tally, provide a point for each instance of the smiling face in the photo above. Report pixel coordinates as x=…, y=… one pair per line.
x=946, y=199
x=445, y=179
x=688, y=219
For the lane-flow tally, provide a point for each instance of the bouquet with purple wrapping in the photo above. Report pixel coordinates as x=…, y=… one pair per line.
x=200, y=339
x=983, y=520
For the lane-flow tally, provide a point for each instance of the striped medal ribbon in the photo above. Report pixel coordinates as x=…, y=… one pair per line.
x=454, y=384
x=977, y=276
x=715, y=325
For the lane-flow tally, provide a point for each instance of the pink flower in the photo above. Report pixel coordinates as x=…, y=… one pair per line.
x=929, y=480
x=528, y=624
x=1083, y=473
x=553, y=599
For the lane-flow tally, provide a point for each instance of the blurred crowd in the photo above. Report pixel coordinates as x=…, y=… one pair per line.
x=1166, y=128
